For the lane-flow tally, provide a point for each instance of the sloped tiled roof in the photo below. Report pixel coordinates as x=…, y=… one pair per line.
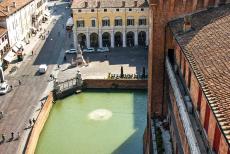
x=108, y=3
x=12, y=9
x=207, y=48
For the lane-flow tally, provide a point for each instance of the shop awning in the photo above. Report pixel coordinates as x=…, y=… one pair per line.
x=46, y=13
x=18, y=45
x=9, y=56
x=69, y=22
x=15, y=49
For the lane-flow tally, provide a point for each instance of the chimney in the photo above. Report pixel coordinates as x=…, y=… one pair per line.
x=7, y=8
x=187, y=23
x=86, y=4
x=123, y=4
x=14, y=4
x=98, y=4
x=135, y=3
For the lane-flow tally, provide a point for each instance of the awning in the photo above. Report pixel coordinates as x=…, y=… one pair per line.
x=69, y=22
x=15, y=49
x=19, y=45
x=9, y=56
x=46, y=13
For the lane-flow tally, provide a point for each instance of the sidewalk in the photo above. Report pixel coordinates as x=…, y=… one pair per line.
x=34, y=40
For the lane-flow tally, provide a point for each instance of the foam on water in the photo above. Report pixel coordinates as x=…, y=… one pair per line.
x=100, y=114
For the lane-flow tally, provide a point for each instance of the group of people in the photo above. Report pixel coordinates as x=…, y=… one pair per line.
x=12, y=138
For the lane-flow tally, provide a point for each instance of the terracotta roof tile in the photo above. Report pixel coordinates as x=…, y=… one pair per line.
x=12, y=9
x=207, y=48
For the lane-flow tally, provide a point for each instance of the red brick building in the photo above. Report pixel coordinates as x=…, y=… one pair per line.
x=189, y=73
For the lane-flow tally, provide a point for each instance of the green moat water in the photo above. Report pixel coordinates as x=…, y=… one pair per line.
x=96, y=122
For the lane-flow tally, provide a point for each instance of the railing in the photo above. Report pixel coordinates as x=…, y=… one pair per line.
x=60, y=87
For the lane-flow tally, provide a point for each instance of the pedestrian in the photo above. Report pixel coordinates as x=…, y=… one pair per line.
x=32, y=52
x=34, y=121
x=30, y=122
x=3, y=137
x=65, y=58
x=11, y=87
x=19, y=82
x=51, y=76
x=58, y=66
x=1, y=115
x=42, y=105
x=12, y=135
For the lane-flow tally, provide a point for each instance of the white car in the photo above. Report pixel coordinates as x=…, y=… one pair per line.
x=4, y=88
x=71, y=51
x=89, y=50
x=104, y=49
x=42, y=68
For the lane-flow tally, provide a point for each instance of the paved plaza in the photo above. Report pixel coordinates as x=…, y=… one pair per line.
x=100, y=64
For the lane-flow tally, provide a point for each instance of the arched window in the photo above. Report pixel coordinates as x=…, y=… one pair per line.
x=105, y=22
x=118, y=21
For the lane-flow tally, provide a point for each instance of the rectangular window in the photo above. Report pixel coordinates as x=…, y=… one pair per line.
x=79, y=10
x=199, y=99
x=105, y=10
x=118, y=22
x=105, y=22
x=184, y=70
x=216, y=142
x=80, y=23
x=189, y=79
x=130, y=22
x=117, y=10
x=142, y=9
x=130, y=9
x=206, y=118
x=93, y=23
x=92, y=10
x=142, y=22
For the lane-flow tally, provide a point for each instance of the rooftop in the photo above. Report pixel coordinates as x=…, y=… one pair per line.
x=108, y=3
x=207, y=48
x=7, y=6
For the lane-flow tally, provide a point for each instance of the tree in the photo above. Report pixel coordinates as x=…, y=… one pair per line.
x=122, y=73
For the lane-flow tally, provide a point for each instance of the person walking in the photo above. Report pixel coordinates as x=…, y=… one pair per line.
x=12, y=135
x=19, y=82
x=3, y=137
x=30, y=122
x=32, y=52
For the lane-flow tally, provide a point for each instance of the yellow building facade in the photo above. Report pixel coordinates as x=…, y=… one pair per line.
x=111, y=23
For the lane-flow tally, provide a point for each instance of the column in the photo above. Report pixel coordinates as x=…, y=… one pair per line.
x=136, y=38
x=112, y=39
x=87, y=40
x=100, y=39
x=147, y=37
x=124, y=39
x=75, y=40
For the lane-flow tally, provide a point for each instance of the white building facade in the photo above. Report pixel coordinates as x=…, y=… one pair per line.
x=18, y=20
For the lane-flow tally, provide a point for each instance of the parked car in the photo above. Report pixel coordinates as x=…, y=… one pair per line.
x=103, y=49
x=89, y=50
x=4, y=88
x=42, y=68
x=70, y=51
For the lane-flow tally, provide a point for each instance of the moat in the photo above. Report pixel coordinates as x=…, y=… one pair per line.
x=96, y=122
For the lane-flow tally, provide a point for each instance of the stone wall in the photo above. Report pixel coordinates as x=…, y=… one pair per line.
x=38, y=126
x=115, y=84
